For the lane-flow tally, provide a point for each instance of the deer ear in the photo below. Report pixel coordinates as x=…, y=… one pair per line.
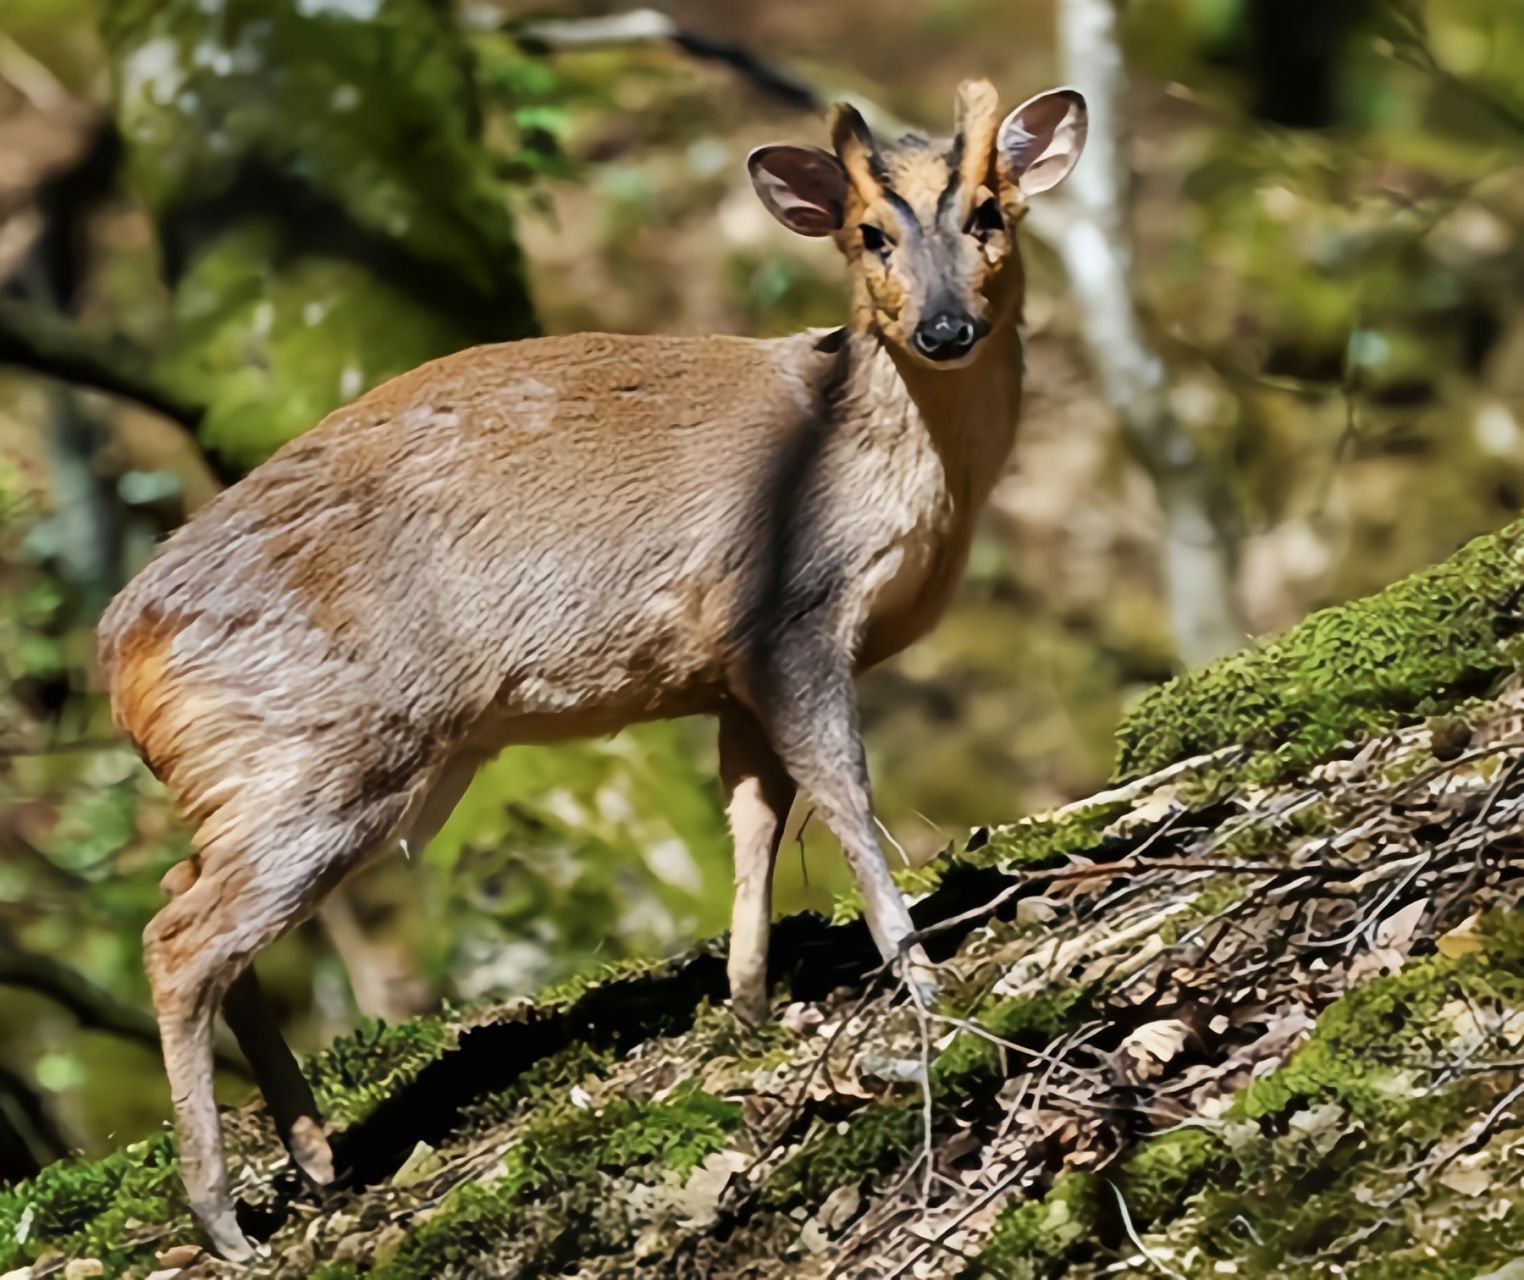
x=1040, y=141
x=803, y=187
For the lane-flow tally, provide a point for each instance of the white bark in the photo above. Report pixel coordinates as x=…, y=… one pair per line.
x=1089, y=227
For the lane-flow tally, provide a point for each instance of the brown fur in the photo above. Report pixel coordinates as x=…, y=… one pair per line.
x=556, y=538
x=978, y=122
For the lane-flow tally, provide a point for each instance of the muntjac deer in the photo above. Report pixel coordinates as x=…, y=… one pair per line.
x=558, y=537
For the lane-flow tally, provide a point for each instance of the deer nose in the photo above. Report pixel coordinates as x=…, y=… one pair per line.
x=944, y=336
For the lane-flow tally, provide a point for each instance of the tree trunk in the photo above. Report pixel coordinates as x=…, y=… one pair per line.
x=1088, y=225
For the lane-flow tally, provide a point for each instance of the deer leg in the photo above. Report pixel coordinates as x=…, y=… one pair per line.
x=810, y=711
x=758, y=793
x=286, y=1091
x=285, y=1088
x=196, y=948
x=188, y=969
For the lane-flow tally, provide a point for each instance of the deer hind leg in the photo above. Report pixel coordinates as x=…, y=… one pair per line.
x=254, y=1025
x=286, y=1091
x=189, y=968
x=195, y=950
x=758, y=793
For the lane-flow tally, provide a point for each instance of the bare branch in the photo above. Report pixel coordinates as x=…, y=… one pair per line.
x=94, y=1008
x=38, y=338
x=647, y=26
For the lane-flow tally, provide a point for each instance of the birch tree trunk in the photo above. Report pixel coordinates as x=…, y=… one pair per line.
x=1088, y=226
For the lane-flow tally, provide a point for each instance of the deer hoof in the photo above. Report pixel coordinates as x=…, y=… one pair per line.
x=922, y=975
x=227, y=1236
x=309, y=1148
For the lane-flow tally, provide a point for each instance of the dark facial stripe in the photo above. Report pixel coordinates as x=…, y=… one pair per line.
x=902, y=208
x=865, y=140
x=954, y=159
x=947, y=202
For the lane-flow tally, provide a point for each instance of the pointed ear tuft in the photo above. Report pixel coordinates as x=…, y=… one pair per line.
x=857, y=151
x=805, y=188
x=1041, y=141
x=978, y=121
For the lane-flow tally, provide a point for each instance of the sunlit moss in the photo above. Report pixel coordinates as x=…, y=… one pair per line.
x=1039, y=839
x=1317, y=1151
x=870, y=1144
x=1422, y=645
x=87, y=1209
x=1031, y=1238
x=564, y=1150
x=1033, y=1020
x=1382, y=1027
x=1158, y=1175
x=359, y=1072
x=566, y=993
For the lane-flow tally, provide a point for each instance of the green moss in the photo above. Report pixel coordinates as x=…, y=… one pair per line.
x=546, y=1084
x=565, y=1150
x=1366, y=1038
x=872, y=1143
x=1316, y=1153
x=357, y=1073
x=1031, y=1239
x=1162, y=1171
x=1035, y=1020
x=572, y=1144
x=564, y=994
x=1217, y=896
x=1422, y=645
x=470, y=1222
x=87, y=1209
x=1322, y=1148
x=1037, y=840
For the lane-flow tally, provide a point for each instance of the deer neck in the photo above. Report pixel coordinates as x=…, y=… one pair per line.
x=967, y=416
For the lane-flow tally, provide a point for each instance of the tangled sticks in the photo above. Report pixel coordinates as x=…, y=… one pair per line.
x=1196, y=1020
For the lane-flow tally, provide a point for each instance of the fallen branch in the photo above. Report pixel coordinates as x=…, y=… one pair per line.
x=38, y=338
x=92, y=1006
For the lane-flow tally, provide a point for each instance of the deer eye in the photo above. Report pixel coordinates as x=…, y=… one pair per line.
x=875, y=241
x=985, y=220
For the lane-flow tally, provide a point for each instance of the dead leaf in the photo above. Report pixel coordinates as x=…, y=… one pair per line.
x=800, y=1018
x=1461, y=940
x=1508, y=1271
x=1152, y=1047
x=840, y=1207
x=422, y=1161
x=1396, y=931
x=1465, y=1182
x=1035, y=910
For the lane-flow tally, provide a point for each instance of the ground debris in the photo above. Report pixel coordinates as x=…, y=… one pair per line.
x=1252, y=1027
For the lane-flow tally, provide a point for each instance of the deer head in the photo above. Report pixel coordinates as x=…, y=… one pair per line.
x=928, y=226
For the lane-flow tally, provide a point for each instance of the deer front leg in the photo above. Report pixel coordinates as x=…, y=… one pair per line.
x=758, y=793
x=810, y=709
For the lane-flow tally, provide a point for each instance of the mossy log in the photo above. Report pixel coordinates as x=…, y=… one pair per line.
x=1260, y=1013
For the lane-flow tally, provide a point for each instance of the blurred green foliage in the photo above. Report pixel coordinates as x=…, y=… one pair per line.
x=329, y=211
x=562, y=857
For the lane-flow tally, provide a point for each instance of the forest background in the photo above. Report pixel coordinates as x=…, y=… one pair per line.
x=221, y=219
